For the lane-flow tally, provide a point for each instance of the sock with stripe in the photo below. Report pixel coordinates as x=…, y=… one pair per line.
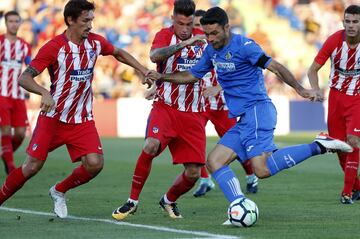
x=351, y=171
x=290, y=156
x=12, y=184
x=228, y=183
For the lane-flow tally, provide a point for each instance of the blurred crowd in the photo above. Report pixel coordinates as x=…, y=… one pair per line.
x=132, y=24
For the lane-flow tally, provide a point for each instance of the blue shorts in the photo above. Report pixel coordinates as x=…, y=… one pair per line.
x=253, y=134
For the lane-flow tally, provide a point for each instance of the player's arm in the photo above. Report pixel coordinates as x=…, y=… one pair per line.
x=212, y=91
x=163, y=53
x=314, y=81
x=286, y=76
x=26, y=81
x=126, y=58
x=183, y=77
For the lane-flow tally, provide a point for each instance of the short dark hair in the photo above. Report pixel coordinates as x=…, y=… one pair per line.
x=215, y=15
x=74, y=8
x=199, y=13
x=11, y=13
x=184, y=7
x=352, y=9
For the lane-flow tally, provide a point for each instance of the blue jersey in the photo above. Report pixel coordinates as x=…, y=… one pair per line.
x=238, y=74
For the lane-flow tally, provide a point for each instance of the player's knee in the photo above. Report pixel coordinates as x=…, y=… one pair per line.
x=151, y=146
x=193, y=173
x=94, y=164
x=31, y=166
x=213, y=163
x=261, y=172
x=6, y=130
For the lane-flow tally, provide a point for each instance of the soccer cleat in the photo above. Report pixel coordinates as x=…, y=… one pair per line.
x=355, y=195
x=331, y=145
x=226, y=223
x=123, y=211
x=205, y=186
x=346, y=199
x=252, y=184
x=171, y=209
x=60, y=207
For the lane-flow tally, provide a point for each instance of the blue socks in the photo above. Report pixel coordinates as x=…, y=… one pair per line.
x=228, y=183
x=290, y=156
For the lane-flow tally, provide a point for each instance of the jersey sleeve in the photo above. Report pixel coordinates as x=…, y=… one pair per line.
x=325, y=51
x=106, y=47
x=45, y=57
x=203, y=66
x=253, y=52
x=161, y=39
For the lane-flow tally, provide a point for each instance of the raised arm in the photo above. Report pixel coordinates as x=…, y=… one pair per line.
x=161, y=54
x=183, y=77
x=26, y=81
x=286, y=76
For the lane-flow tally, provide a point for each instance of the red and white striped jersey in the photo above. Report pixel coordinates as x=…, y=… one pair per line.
x=13, y=55
x=187, y=97
x=217, y=102
x=345, y=63
x=71, y=68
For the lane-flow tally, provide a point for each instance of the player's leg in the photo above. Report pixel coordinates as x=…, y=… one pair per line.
x=187, y=148
x=19, y=122
x=5, y=127
x=158, y=134
x=17, y=178
x=218, y=165
x=257, y=132
x=83, y=144
x=182, y=184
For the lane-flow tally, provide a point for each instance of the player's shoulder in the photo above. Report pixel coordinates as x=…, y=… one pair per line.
x=240, y=41
x=23, y=41
x=2, y=37
x=337, y=36
x=56, y=43
x=166, y=31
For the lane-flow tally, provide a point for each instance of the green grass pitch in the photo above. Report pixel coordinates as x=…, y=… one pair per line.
x=302, y=202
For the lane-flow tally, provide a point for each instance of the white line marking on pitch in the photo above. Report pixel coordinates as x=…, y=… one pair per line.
x=156, y=228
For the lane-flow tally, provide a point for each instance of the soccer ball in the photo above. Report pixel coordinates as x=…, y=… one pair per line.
x=243, y=212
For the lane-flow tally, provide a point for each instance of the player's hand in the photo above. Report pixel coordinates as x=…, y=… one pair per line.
x=150, y=94
x=196, y=39
x=146, y=80
x=47, y=102
x=313, y=95
x=153, y=75
x=212, y=91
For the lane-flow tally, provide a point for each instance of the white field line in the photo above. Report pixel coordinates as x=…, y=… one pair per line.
x=154, y=228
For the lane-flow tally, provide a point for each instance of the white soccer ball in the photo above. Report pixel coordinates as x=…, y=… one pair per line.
x=243, y=212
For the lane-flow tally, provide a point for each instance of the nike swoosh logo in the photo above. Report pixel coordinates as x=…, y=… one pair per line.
x=356, y=130
x=247, y=43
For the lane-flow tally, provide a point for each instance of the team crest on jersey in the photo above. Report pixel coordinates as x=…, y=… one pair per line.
x=34, y=147
x=228, y=56
x=155, y=130
x=92, y=55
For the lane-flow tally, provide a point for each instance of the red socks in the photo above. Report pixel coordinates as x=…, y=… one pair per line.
x=12, y=183
x=181, y=186
x=141, y=173
x=351, y=171
x=204, y=173
x=247, y=167
x=7, y=153
x=78, y=177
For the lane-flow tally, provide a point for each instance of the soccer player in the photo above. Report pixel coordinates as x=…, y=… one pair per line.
x=217, y=112
x=238, y=62
x=66, y=111
x=175, y=119
x=343, y=49
x=14, y=52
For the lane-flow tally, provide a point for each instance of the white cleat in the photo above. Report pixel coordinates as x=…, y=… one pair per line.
x=226, y=223
x=60, y=207
x=332, y=145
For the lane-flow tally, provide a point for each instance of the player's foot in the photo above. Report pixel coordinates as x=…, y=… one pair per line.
x=171, y=208
x=355, y=195
x=206, y=184
x=346, y=199
x=328, y=144
x=123, y=211
x=60, y=207
x=251, y=184
x=226, y=223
